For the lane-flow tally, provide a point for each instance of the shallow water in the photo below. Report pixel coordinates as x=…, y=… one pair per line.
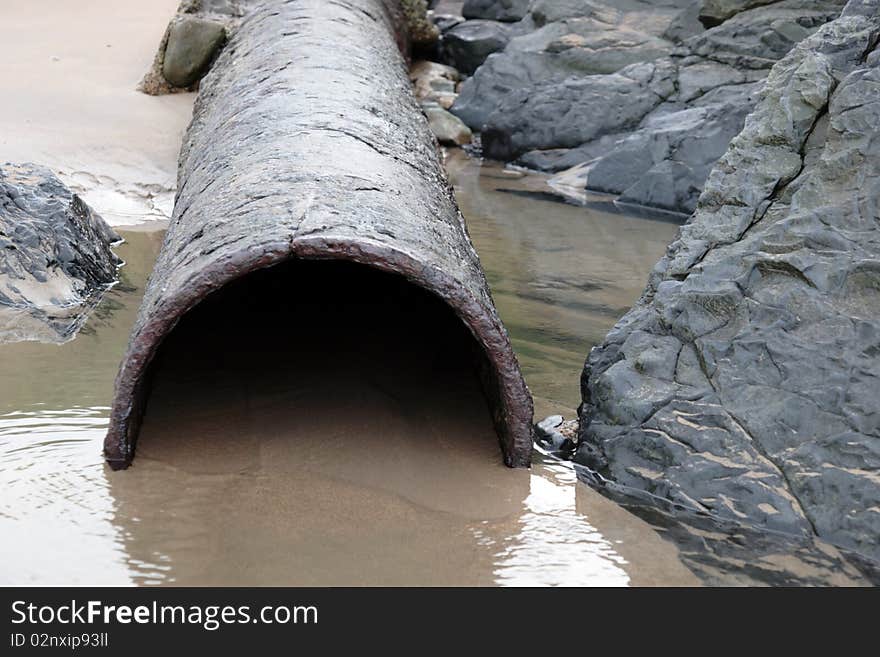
x=320, y=467
x=560, y=274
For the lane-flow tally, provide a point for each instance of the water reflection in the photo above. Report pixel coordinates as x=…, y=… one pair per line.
x=560, y=274
x=555, y=545
x=55, y=514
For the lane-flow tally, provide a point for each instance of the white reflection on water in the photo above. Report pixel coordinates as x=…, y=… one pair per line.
x=556, y=545
x=55, y=511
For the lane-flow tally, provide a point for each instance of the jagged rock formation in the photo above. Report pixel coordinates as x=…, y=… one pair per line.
x=746, y=382
x=55, y=256
x=668, y=93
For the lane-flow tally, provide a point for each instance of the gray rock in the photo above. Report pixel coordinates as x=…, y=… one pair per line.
x=686, y=23
x=744, y=382
x=559, y=159
x=663, y=157
x=552, y=115
x=448, y=128
x=185, y=70
x=469, y=44
x=729, y=553
x=496, y=10
x=557, y=435
x=55, y=256
x=546, y=427
x=446, y=22
x=759, y=37
x=192, y=45
x=652, y=16
x=665, y=162
x=715, y=12
x=553, y=53
x=227, y=13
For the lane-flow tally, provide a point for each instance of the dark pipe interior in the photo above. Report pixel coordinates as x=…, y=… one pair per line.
x=314, y=346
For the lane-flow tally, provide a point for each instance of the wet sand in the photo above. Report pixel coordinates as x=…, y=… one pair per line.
x=70, y=71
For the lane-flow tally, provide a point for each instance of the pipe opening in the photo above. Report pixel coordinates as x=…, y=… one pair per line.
x=317, y=350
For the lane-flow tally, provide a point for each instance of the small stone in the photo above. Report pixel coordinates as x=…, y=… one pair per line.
x=548, y=425
x=434, y=82
x=448, y=128
x=192, y=46
x=469, y=44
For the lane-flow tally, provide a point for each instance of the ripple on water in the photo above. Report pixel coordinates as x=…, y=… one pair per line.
x=55, y=513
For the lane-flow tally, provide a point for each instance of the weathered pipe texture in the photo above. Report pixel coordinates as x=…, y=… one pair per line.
x=306, y=143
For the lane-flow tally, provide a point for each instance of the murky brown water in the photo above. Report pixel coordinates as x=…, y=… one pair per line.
x=344, y=445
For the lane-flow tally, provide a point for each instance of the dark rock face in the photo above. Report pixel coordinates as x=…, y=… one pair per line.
x=192, y=45
x=715, y=12
x=468, y=44
x=307, y=143
x=55, y=256
x=496, y=10
x=707, y=78
x=541, y=55
x=552, y=114
x=666, y=160
x=718, y=73
x=744, y=384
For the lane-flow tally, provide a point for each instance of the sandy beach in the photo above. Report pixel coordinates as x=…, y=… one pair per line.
x=70, y=102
